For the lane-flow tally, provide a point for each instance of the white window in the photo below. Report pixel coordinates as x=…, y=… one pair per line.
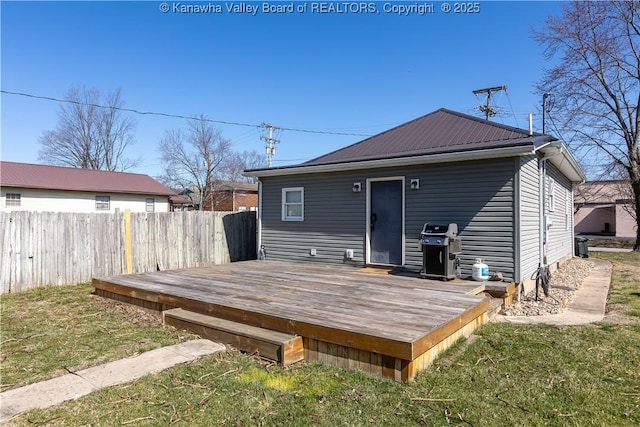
x=242, y=208
x=12, y=199
x=552, y=195
x=151, y=204
x=103, y=203
x=293, y=204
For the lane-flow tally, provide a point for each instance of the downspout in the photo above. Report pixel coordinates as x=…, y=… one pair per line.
x=259, y=218
x=543, y=217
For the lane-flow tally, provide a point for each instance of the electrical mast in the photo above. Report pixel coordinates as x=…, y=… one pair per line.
x=487, y=109
x=270, y=140
x=545, y=109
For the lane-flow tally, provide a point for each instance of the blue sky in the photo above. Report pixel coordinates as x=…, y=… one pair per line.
x=332, y=72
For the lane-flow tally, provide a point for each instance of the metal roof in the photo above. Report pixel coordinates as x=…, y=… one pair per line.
x=441, y=131
x=440, y=136
x=28, y=175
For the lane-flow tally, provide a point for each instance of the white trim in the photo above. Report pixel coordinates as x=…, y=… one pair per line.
x=368, y=220
x=401, y=161
x=286, y=217
x=566, y=162
x=259, y=218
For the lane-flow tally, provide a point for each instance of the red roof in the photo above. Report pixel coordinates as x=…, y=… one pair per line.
x=27, y=175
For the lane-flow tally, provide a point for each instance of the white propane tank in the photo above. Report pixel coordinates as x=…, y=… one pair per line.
x=480, y=271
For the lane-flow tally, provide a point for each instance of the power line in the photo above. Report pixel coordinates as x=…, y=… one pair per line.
x=270, y=140
x=512, y=111
x=176, y=116
x=487, y=109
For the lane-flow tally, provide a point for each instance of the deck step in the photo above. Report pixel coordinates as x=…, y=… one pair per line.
x=495, y=307
x=277, y=346
x=504, y=291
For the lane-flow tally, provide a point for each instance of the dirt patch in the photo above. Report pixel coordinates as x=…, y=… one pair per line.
x=134, y=314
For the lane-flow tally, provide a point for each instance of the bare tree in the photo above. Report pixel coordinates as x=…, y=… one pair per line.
x=92, y=132
x=236, y=163
x=595, y=47
x=193, y=159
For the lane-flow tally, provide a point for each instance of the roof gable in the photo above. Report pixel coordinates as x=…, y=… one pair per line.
x=27, y=175
x=441, y=131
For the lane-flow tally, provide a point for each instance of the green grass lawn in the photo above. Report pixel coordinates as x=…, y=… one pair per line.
x=52, y=330
x=522, y=375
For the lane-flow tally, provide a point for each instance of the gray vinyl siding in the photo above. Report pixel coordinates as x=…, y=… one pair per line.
x=560, y=242
x=333, y=218
x=529, y=200
x=477, y=195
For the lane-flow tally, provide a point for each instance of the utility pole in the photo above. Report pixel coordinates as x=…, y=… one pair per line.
x=487, y=109
x=270, y=140
x=544, y=109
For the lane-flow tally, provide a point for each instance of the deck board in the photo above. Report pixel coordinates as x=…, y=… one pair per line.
x=384, y=314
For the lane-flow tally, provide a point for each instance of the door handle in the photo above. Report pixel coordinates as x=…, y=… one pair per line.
x=440, y=257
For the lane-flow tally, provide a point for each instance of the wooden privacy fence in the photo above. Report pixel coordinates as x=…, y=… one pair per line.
x=51, y=248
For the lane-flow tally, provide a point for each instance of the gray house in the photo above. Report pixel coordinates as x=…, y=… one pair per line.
x=510, y=191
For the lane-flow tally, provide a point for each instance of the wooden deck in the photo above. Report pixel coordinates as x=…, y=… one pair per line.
x=383, y=324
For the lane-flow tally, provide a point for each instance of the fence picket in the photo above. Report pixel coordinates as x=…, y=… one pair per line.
x=47, y=248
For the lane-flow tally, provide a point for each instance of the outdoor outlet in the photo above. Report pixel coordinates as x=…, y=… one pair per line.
x=312, y=252
x=348, y=254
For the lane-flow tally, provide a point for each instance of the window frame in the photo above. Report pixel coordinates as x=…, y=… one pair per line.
x=150, y=202
x=13, y=199
x=101, y=202
x=295, y=218
x=552, y=194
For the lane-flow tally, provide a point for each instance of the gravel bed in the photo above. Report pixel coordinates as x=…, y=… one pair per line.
x=562, y=286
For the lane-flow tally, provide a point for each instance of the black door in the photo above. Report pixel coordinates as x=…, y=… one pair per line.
x=385, y=223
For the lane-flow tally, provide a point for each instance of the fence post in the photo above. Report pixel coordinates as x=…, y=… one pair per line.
x=128, y=249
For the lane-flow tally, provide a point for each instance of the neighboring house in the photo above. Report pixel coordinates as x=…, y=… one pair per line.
x=32, y=187
x=181, y=203
x=604, y=208
x=235, y=197
x=224, y=197
x=508, y=191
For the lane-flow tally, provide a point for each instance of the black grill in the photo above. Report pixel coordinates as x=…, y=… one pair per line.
x=441, y=246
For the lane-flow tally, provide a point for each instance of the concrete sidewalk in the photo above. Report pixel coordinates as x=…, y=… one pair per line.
x=596, y=249
x=72, y=386
x=587, y=306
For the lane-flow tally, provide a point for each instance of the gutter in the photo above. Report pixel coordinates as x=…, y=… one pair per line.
x=392, y=162
x=578, y=176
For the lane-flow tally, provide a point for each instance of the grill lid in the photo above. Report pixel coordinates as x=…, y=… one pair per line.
x=450, y=230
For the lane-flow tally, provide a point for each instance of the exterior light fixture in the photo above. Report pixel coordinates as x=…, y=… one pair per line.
x=357, y=187
x=415, y=184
